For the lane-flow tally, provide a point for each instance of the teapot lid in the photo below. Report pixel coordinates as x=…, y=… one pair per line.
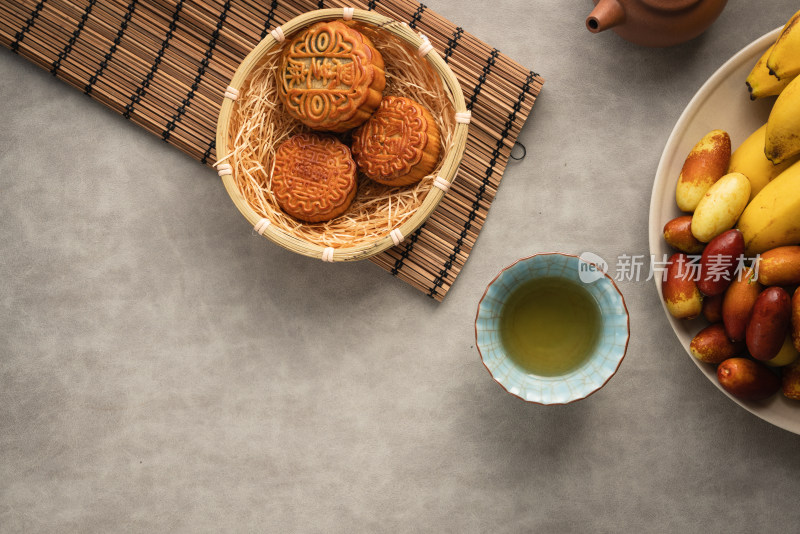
x=669, y=5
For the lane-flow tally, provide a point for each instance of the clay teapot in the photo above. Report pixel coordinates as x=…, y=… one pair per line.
x=654, y=22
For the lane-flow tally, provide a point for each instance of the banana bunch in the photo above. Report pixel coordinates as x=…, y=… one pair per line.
x=776, y=74
x=770, y=157
x=783, y=126
x=773, y=71
x=761, y=83
x=772, y=218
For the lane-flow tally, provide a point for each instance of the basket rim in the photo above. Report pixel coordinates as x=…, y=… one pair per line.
x=450, y=164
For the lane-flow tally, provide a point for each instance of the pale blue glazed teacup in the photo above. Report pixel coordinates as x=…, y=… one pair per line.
x=595, y=371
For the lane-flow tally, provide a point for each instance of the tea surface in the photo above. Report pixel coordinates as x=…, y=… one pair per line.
x=550, y=326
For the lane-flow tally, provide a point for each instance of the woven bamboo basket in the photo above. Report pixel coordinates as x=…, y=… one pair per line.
x=444, y=175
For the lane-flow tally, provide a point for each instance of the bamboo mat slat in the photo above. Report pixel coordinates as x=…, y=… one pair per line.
x=164, y=65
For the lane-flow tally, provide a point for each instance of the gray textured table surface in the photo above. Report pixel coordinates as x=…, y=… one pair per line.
x=163, y=369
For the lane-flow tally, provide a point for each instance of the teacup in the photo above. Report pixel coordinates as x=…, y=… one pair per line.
x=602, y=354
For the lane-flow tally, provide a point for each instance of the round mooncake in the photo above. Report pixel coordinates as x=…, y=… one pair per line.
x=399, y=144
x=314, y=178
x=331, y=77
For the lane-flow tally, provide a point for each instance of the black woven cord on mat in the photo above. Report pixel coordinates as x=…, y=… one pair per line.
x=439, y=280
x=372, y=4
x=490, y=61
x=140, y=91
x=270, y=18
x=74, y=37
x=452, y=43
x=207, y=154
x=28, y=24
x=103, y=64
x=201, y=71
x=417, y=16
x=398, y=264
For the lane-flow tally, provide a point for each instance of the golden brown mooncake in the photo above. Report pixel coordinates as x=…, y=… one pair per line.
x=314, y=177
x=399, y=144
x=331, y=77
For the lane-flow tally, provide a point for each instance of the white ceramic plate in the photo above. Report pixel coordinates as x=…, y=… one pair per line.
x=722, y=102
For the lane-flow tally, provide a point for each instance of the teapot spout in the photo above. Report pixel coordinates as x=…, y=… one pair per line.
x=606, y=14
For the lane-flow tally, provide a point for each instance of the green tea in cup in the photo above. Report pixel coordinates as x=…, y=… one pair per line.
x=550, y=326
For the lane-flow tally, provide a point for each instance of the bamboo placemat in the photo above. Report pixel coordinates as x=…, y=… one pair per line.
x=164, y=64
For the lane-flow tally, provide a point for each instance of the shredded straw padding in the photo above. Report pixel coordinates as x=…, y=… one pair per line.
x=259, y=125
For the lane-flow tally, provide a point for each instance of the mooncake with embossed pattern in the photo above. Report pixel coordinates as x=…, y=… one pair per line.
x=399, y=144
x=314, y=177
x=331, y=77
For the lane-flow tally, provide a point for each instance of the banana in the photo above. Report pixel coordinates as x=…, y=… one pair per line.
x=784, y=61
x=761, y=83
x=783, y=126
x=772, y=218
x=749, y=159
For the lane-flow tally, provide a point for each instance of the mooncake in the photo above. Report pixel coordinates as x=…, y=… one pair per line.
x=314, y=177
x=399, y=144
x=331, y=77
